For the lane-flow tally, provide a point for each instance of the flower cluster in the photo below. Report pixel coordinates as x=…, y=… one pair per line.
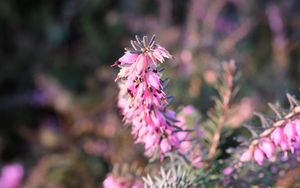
x=143, y=100
x=283, y=135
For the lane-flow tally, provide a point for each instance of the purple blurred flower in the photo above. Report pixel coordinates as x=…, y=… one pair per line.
x=275, y=20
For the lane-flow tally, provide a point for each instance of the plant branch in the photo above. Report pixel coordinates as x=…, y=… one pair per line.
x=225, y=90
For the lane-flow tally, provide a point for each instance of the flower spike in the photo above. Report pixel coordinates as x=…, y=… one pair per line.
x=144, y=102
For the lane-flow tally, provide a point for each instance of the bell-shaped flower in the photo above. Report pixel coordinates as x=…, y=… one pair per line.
x=165, y=146
x=153, y=80
x=247, y=155
x=259, y=156
x=124, y=72
x=284, y=145
x=127, y=58
x=277, y=136
x=267, y=147
x=163, y=52
x=141, y=63
x=297, y=126
x=111, y=182
x=185, y=146
x=290, y=131
x=150, y=140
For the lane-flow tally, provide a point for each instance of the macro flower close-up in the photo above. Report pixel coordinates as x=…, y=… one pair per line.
x=149, y=94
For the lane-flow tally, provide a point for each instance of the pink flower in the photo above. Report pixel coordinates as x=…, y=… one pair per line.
x=153, y=80
x=185, y=147
x=259, y=156
x=290, y=131
x=124, y=73
x=296, y=145
x=189, y=110
x=277, y=136
x=111, y=182
x=150, y=140
x=267, y=147
x=121, y=182
x=227, y=171
x=141, y=64
x=127, y=58
x=165, y=146
x=297, y=126
x=11, y=176
x=138, y=184
x=247, y=155
x=192, y=150
x=284, y=145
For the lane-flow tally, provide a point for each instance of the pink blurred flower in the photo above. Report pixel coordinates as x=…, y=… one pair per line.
x=127, y=58
x=259, y=156
x=290, y=131
x=277, y=136
x=11, y=176
x=165, y=146
x=227, y=171
x=268, y=148
x=111, y=182
x=247, y=155
x=121, y=182
x=297, y=125
x=192, y=150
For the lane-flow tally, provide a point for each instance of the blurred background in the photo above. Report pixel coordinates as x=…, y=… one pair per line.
x=60, y=127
